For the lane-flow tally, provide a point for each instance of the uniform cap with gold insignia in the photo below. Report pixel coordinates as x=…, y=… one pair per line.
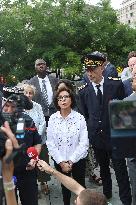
x=93, y=60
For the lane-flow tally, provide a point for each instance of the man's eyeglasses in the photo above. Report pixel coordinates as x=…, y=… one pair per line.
x=60, y=98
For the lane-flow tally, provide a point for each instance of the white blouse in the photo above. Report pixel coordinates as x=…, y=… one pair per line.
x=67, y=138
x=37, y=115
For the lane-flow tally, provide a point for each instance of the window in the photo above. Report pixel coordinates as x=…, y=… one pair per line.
x=129, y=21
x=131, y=14
x=131, y=7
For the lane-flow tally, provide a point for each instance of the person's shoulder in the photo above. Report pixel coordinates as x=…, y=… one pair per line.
x=82, y=87
x=36, y=105
x=54, y=116
x=78, y=115
x=28, y=120
x=51, y=77
x=33, y=79
x=114, y=79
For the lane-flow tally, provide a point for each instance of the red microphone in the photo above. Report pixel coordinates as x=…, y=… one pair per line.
x=32, y=153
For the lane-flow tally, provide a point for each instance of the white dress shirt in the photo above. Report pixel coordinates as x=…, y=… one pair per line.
x=126, y=74
x=101, y=86
x=67, y=138
x=48, y=88
x=37, y=115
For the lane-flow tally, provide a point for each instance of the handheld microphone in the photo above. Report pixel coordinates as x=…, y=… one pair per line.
x=32, y=153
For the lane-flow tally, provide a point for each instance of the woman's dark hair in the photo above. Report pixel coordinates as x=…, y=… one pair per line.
x=71, y=94
x=68, y=84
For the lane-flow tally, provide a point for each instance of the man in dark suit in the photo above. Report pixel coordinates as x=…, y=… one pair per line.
x=50, y=83
x=45, y=87
x=94, y=99
x=109, y=69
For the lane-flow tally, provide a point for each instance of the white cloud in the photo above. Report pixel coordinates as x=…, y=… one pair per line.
x=115, y=3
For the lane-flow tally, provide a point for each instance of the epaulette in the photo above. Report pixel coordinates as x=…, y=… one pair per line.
x=82, y=86
x=111, y=78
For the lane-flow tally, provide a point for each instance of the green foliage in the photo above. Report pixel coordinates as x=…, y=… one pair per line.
x=60, y=31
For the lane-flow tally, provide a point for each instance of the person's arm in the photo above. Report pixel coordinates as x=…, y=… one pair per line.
x=7, y=173
x=82, y=104
x=68, y=182
x=7, y=169
x=42, y=123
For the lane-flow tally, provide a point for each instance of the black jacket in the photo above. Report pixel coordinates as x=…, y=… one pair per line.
x=98, y=119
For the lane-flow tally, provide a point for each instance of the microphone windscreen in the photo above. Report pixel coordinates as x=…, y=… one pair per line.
x=32, y=153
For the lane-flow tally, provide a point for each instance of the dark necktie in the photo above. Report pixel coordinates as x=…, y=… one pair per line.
x=44, y=93
x=99, y=94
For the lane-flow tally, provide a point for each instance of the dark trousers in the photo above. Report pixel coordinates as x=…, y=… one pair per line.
x=28, y=188
x=78, y=173
x=120, y=168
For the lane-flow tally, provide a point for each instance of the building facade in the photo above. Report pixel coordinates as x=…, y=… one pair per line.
x=127, y=13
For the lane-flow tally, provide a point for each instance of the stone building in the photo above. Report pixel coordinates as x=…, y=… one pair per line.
x=127, y=13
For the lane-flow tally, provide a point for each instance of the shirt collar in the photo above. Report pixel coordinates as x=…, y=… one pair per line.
x=46, y=78
x=69, y=116
x=101, y=83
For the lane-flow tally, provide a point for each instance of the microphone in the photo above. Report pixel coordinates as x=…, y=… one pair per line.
x=32, y=153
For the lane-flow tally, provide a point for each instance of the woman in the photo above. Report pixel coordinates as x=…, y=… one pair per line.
x=37, y=115
x=67, y=139
x=91, y=161
x=69, y=85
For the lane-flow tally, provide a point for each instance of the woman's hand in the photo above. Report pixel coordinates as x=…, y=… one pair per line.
x=43, y=166
x=31, y=164
x=9, y=134
x=65, y=166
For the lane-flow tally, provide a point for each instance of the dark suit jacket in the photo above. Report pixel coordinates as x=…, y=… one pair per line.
x=99, y=132
x=110, y=71
x=38, y=96
x=127, y=87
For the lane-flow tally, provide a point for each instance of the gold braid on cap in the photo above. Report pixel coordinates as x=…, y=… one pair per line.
x=92, y=63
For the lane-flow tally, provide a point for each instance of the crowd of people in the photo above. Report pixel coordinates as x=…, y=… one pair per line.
x=74, y=129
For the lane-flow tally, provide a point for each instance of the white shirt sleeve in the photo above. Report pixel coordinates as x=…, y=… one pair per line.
x=83, y=145
x=126, y=74
x=42, y=123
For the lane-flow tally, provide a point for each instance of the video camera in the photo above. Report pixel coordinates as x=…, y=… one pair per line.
x=16, y=119
x=123, y=128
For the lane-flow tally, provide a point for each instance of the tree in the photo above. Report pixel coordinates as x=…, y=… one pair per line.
x=60, y=31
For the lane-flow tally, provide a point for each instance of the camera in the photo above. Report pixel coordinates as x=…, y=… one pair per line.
x=17, y=119
x=123, y=128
